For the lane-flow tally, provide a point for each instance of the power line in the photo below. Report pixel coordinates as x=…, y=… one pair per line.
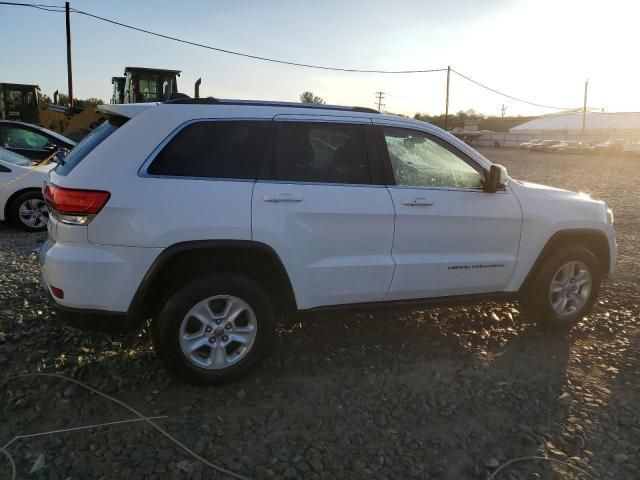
x=59, y=8
x=39, y=6
x=218, y=49
x=507, y=95
x=254, y=57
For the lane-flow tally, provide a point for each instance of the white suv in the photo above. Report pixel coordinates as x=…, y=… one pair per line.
x=213, y=217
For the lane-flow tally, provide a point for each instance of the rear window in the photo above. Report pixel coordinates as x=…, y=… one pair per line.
x=213, y=149
x=88, y=143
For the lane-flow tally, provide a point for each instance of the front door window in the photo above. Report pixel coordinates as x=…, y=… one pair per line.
x=420, y=161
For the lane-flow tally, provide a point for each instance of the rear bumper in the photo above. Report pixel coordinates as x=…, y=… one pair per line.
x=98, y=282
x=92, y=276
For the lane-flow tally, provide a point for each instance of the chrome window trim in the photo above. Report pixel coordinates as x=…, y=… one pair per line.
x=143, y=173
x=324, y=184
x=446, y=189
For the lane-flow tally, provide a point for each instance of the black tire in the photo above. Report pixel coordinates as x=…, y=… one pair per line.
x=536, y=300
x=14, y=211
x=166, y=331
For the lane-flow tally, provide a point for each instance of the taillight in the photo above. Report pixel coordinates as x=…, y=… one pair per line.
x=72, y=205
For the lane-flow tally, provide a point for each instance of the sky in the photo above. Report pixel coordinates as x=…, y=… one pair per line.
x=541, y=50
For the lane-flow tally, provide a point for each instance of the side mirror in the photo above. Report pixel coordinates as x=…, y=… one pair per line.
x=496, y=179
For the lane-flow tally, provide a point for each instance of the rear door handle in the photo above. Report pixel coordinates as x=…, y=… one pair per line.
x=282, y=197
x=417, y=202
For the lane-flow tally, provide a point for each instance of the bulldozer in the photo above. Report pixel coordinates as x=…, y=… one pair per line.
x=144, y=85
x=19, y=102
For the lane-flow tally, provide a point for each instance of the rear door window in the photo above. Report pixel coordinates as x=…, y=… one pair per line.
x=318, y=152
x=213, y=149
x=88, y=143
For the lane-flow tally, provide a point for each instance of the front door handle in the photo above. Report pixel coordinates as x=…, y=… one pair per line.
x=417, y=202
x=282, y=197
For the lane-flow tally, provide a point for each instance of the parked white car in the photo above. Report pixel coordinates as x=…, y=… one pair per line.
x=570, y=146
x=529, y=144
x=21, y=182
x=215, y=217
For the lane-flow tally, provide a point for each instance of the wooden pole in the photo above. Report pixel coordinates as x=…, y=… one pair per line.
x=584, y=108
x=69, y=72
x=446, y=108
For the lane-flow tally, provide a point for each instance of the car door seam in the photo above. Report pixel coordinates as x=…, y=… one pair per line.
x=393, y=242
x=517, y=260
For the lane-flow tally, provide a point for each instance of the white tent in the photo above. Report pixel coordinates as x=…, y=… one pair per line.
x=571, y=123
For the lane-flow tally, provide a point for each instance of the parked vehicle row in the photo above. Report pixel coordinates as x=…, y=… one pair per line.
x=27, y=153
x=21, y=182
x=215, y=217
x=32, y=141
x=580, y=147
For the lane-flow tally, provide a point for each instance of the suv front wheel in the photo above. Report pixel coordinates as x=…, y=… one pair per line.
x=214, y=329
x=564, y=288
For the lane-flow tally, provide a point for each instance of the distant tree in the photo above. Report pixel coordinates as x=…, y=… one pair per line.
x=64, y=100
x=43, y=98
x=309, y=97
x=93, y=101
x=494, y=123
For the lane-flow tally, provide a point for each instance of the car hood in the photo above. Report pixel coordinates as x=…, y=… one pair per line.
x=547, y=191
x=558, y=208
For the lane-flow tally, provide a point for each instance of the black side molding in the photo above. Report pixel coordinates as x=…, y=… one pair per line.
x=421, y=302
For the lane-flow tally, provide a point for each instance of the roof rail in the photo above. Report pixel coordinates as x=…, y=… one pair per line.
x=262, y=103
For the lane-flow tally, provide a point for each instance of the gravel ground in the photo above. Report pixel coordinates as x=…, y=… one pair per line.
x=434, y=394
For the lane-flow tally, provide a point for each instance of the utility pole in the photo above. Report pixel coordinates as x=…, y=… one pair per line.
x=446, y=107
x=69, y=74
x=503, y=109
x=584, y=107
x=380, y=96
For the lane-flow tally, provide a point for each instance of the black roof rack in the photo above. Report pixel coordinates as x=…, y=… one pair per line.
x=267, y=103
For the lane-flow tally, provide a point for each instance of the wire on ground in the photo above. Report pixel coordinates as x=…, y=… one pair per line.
x=531, y=459
x=137, y=414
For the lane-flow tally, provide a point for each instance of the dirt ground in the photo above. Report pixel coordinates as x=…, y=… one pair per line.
x=445, y=393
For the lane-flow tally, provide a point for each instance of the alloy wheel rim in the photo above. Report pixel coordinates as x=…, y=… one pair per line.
x=570, y=288
x=218, y=332
x=33, y=213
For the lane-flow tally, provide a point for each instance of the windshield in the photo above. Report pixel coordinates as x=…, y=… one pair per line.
x=88, y=143
x=14, y=158
x=154, y=88
x=19, y=98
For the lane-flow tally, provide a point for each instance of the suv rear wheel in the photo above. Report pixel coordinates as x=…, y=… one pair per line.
x=564, y=288
x=214, y=329
x=29, y=212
